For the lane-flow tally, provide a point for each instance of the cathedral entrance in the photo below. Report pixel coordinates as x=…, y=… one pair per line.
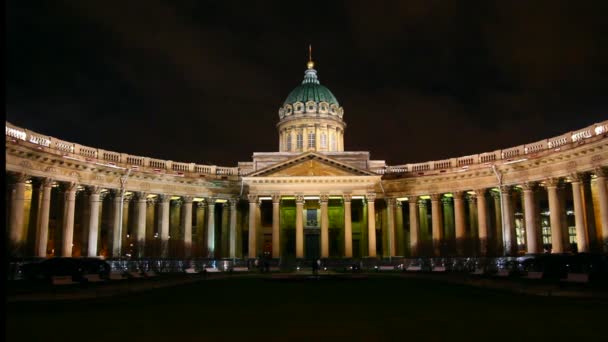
x=312, y=251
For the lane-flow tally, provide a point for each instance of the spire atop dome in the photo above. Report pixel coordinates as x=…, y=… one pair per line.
x=310, y=63
x=310, y=75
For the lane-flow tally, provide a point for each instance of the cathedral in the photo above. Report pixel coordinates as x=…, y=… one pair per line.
x=311, y=199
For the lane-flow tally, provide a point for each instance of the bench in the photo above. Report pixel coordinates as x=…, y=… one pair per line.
x=478, y=271
x=581, y=278
x=413, y=268
x=439, y=269
x=62, y=280
x=116, y=276
x=93, y=278
x=533, y=275
x=503, y=273
x=386, y=268
x=240, y=269
x=133, y=274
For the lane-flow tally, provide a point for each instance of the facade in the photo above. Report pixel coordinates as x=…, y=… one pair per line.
x=311, y=199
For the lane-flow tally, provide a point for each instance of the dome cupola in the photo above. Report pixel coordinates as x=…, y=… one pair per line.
x=311, y=117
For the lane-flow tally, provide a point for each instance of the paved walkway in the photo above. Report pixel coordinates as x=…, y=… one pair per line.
x=21, y=292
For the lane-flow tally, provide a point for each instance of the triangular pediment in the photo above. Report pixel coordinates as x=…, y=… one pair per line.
x=310, y=165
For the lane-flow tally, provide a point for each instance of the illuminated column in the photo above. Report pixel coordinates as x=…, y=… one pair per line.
x=253, y=202
x=164, y=202
x=116, y=227
x=142, y=203
x=533, y=234
x=299, y=227
x=276, y=224
x=371, y=224
x=399, y=237
x=211, y=227
x=94, y=203
x=390, y=206
x=16, y=225
x=603, y=202
x=42, y=235
x=556, y=231
x=323, y=199
x=482, y=220
x=68, y=218
x=509, y=237
x=582, y=238
x=414, y=225
x=233, y=203
x=348, y=228
x=437, y=223
x=460, y=221
x=498, y=222
x=187, y=225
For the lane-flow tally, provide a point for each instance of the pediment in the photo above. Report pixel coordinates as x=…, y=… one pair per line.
x=310, y=165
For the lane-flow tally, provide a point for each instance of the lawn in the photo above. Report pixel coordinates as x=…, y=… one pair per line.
x=269, y=310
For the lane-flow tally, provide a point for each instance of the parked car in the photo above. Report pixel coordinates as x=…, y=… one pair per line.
x=77, y=268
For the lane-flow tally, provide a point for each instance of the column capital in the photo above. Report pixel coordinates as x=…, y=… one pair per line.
x=187, y=199
x=412, y=199
x=140, y=196
x=210, y=201
x=324, y=198
x=370, y=196
x=46, y=182
x=552, y=182
x=233, y=202
x=600, y=172
x=457, y=195
x=69, y=186
x=471, y=198
x=495, y=194
x=480, y=192
x=18, y=177
x=529, y=186
x=506, y=189
x=94, y=190
x=276, y=198
x=299, y=199
x=347, y=197
x=151, y=200
x=435, y=197
x=164, y=198
x=252, y=198
x=390, y=201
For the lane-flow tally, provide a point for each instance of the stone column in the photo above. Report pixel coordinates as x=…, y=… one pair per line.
x=68, y=218
x=16, y=223
x=509, y=236
x=482, y=220
x=582, y=238
x=399, y=233
x=390, y=207
x=533, y=234
x=371, y=224
x=232, y=247
x=348, y=227
x=276, y=225
x=437, y=223
x=497, y=222
x=42, y=234
x=94, y=203
x=556, y=228
x=323, y=200
x=603, y=203
x=164, y=202
x=253, y=202
x=414, y=226
x=460, y=221
x=116, y=224
x=140, y=229
x=299, y=227
x=211, y=227
x=187, y=225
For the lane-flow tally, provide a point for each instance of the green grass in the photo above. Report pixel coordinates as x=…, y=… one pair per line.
x=264, y=309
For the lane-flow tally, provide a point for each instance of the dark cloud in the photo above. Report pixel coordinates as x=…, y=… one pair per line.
x=202, y=81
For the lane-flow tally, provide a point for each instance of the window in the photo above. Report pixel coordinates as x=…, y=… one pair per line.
x=323, y=140
x=311, y=139
x=299, y=142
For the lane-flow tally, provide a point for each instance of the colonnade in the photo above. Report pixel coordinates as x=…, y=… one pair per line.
x=41, y=206
x=488, y=225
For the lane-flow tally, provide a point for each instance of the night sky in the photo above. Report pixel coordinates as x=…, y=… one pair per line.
x=202, y=81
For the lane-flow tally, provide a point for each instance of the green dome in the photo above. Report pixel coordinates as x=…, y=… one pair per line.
x=311, y=90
